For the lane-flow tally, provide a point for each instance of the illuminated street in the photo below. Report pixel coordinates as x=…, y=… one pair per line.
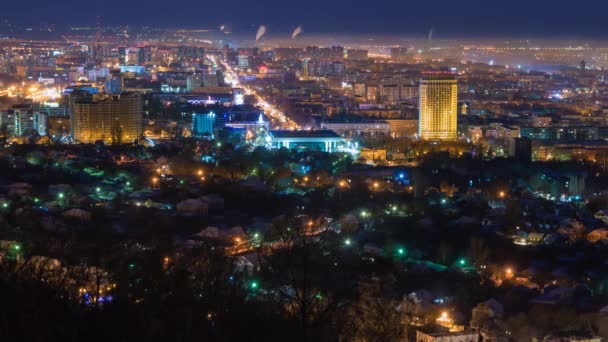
x=281, y=120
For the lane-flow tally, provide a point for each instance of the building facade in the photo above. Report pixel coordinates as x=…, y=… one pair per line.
x=115, y=119
x=203, y=124
x=438, y=106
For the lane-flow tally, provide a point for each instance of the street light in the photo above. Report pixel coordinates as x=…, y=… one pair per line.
x=347, y=242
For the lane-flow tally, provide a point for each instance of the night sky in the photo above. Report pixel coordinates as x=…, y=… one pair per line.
x=448, y=17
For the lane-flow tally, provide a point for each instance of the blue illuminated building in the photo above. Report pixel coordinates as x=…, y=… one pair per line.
x=321, y=140
x=203, y=124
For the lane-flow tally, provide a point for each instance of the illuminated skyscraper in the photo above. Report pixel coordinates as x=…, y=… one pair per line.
x=115, y=119
x=438, y=106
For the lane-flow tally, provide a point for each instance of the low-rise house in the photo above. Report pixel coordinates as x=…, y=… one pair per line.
x=597, y=235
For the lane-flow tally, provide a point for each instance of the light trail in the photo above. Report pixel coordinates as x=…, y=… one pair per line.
x=272, y=111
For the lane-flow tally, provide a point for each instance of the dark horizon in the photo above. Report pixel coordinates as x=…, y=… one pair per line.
x=517, y=18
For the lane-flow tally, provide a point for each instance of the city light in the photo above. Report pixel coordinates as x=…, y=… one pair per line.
x=232, y=79
x=304, y=175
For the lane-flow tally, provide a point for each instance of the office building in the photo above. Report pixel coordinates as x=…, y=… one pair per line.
x=438, y=106
x=203, y=124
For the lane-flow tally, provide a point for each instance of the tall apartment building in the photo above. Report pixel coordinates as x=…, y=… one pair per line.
x=114, y=119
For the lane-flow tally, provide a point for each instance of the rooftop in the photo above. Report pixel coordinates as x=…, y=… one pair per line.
x=322, y=133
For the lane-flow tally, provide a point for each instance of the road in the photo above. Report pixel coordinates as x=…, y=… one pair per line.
x=231, y=77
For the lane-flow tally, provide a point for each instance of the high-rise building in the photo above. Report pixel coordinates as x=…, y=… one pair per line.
x=122, y=55
x=40, y=123
x=308, y=68
x=438, y=106
x=114, y=119
x=114, y=84
x=141, y=56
